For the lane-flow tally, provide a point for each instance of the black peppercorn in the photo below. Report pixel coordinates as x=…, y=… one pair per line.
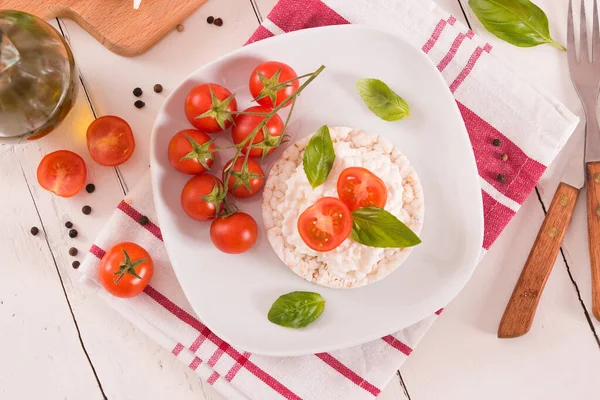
x=73, y=251
x=90, y=187
x=86, y=210
x=76, y=264
x=139, y=104
x=73, y=233
x=34, y=230
x=137, y=92
x=500, y=178
x=218, y=22
x=69, y=224
x=496, y=142
x=158, y=88
x=144, y=220
x=210, y=19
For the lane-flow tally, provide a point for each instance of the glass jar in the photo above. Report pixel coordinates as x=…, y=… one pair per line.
x=37, y=77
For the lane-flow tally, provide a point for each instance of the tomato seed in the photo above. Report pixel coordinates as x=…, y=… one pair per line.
x=73, y=251
x=69, y=224
x=500, y=178
x=76, y=264
x=90, y=187
x=210, y=19
x=137, y=92
x=144, y=220
x=139, y=104
x=158, y=88
x=34, y=230
x=73, y=233
x=86, y=210
x=218, y=22
x=496, y=142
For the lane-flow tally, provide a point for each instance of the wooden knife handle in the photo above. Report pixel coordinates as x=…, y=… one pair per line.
x=519, y=313
x=593, y=216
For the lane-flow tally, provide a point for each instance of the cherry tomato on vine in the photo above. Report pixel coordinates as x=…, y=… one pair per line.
x=266, y=83
x=266, y=140
x=234, y=234
x=203, y=197
x=208, y=107
x=244, y=182
x=62, y=172
x=326, y=224
x=110, y=140
x=191, y=152
x=125, y=270
x=358, y=187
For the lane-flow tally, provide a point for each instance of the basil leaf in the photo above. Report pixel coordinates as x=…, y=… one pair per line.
x=296, y=309
x=382, y=100
x=318, y=157
x=375, y=227
x=518, y=22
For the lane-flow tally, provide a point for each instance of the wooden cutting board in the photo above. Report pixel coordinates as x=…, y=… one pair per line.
x=115, y=23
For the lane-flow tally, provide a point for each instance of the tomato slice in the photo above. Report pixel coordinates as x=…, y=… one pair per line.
x=62, y=172
x=326, y=224
x=110, y=140
x=358, y=187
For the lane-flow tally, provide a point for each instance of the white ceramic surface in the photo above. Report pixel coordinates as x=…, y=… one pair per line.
x=232, y=294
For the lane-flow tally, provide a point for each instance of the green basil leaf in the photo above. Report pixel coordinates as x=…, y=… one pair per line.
x=319, y=157
x=518, y=22
x=382, y=100
x=296, y=309
x=375, y=227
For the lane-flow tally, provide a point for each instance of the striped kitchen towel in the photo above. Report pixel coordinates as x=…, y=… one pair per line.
x=495, y=104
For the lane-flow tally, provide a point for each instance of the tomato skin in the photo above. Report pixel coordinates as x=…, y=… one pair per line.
x=326, y=224
x=358, y=187
x=129, y=285
x=199, y=101
x=234, y=234
x=196, y=197
x=62, y=172
x=110, y=140
x=245, y=124
x=256, y=183
x=268, y=69
x=180, y=146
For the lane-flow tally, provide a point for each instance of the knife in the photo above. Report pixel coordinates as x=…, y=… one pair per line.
x=521, y=308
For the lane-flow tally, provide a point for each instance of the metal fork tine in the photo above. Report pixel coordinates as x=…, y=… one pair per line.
x=583, y=42
x=571, y=50
x=595, y=35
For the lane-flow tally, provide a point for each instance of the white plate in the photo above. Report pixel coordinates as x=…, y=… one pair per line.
x=232, y=294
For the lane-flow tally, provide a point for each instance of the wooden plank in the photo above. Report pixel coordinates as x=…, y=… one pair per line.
x=129, y=364
x=38, y=339
x=115, y=24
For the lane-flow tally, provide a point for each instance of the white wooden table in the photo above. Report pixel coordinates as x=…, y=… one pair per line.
x=59, y=342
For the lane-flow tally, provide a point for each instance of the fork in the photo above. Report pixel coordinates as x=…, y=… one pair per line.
x=585, y=75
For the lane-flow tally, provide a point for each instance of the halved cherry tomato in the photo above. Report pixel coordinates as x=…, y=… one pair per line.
x=245, y=125
x=62, y=172
x=213, y=104
x=358, y=187
x=191, y=152
x=125, y=270
x=203, y=197
x=244, y=182
x=266, y=83
x=110, y=140
x=326, y=224
x=235, y=233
